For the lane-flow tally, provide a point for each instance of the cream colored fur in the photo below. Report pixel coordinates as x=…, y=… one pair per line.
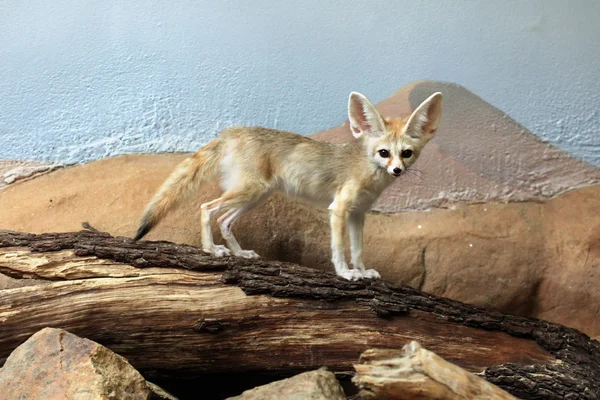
x=252, y=163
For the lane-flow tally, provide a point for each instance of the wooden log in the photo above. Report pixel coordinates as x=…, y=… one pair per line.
x=417, y=373
x=172, y=310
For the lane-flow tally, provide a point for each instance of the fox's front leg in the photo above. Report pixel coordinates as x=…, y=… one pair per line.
x=356, y=223
x=338, y=221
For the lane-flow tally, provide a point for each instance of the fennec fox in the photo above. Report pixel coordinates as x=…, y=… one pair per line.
x=252, y=163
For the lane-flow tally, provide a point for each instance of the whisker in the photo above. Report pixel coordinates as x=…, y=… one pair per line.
x=416, y=170
x=416, y=173
x=410, y=175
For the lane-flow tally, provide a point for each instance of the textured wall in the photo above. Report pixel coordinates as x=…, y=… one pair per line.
x=83, y=80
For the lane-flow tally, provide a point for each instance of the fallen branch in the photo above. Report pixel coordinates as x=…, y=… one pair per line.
x=172, y=310
x=418, y=373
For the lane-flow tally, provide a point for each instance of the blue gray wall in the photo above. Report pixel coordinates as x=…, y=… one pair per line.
x=80, y=80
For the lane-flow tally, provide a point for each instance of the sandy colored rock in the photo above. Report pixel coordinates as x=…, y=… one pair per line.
x=313, y=385
x=55, y=364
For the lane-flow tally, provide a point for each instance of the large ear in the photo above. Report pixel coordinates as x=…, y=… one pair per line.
x=364, y=117
x=425, y=119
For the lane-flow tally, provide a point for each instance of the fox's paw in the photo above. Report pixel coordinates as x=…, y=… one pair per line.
x=246, y=254
x=351, y=274
x=218, y=250
x=371, y=274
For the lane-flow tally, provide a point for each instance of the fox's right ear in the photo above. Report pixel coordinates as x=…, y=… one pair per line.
x=364, y=117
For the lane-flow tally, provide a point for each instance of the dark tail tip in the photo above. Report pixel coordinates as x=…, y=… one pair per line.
x=144, y=228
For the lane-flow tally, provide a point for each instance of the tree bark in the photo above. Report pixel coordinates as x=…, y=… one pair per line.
x=417, y=373
x=172, y=310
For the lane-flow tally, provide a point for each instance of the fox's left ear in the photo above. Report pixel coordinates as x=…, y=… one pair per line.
x=424, y=120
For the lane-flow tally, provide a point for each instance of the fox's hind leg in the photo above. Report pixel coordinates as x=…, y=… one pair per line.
x=226, y=222
x=241, y=202
x=208, y=244
x=237, y=201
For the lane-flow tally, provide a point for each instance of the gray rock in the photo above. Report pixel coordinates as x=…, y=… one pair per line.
x=314, y=385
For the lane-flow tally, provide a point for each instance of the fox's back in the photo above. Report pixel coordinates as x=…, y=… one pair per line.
x=283, y=161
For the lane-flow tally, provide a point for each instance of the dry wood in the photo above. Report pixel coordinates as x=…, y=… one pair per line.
x=416, y=373
x=170, y=310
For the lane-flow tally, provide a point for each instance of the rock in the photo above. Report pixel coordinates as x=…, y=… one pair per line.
x=55, y=364
x=14, y=170
x=534, y=257
x=159, y=393
x=313, y=385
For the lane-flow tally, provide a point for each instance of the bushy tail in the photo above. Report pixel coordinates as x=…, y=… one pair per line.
x=184, y=181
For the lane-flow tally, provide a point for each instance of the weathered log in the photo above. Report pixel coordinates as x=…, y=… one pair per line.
x=417, y=373
x=172, y=310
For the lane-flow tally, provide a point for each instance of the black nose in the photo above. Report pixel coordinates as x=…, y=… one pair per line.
x=397, y=170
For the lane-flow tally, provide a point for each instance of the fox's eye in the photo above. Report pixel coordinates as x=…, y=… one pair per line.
x=406, y=153
x=384, y=153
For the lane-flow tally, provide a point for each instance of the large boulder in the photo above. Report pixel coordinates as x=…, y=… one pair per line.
x=55, y=364
x=454, y=231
